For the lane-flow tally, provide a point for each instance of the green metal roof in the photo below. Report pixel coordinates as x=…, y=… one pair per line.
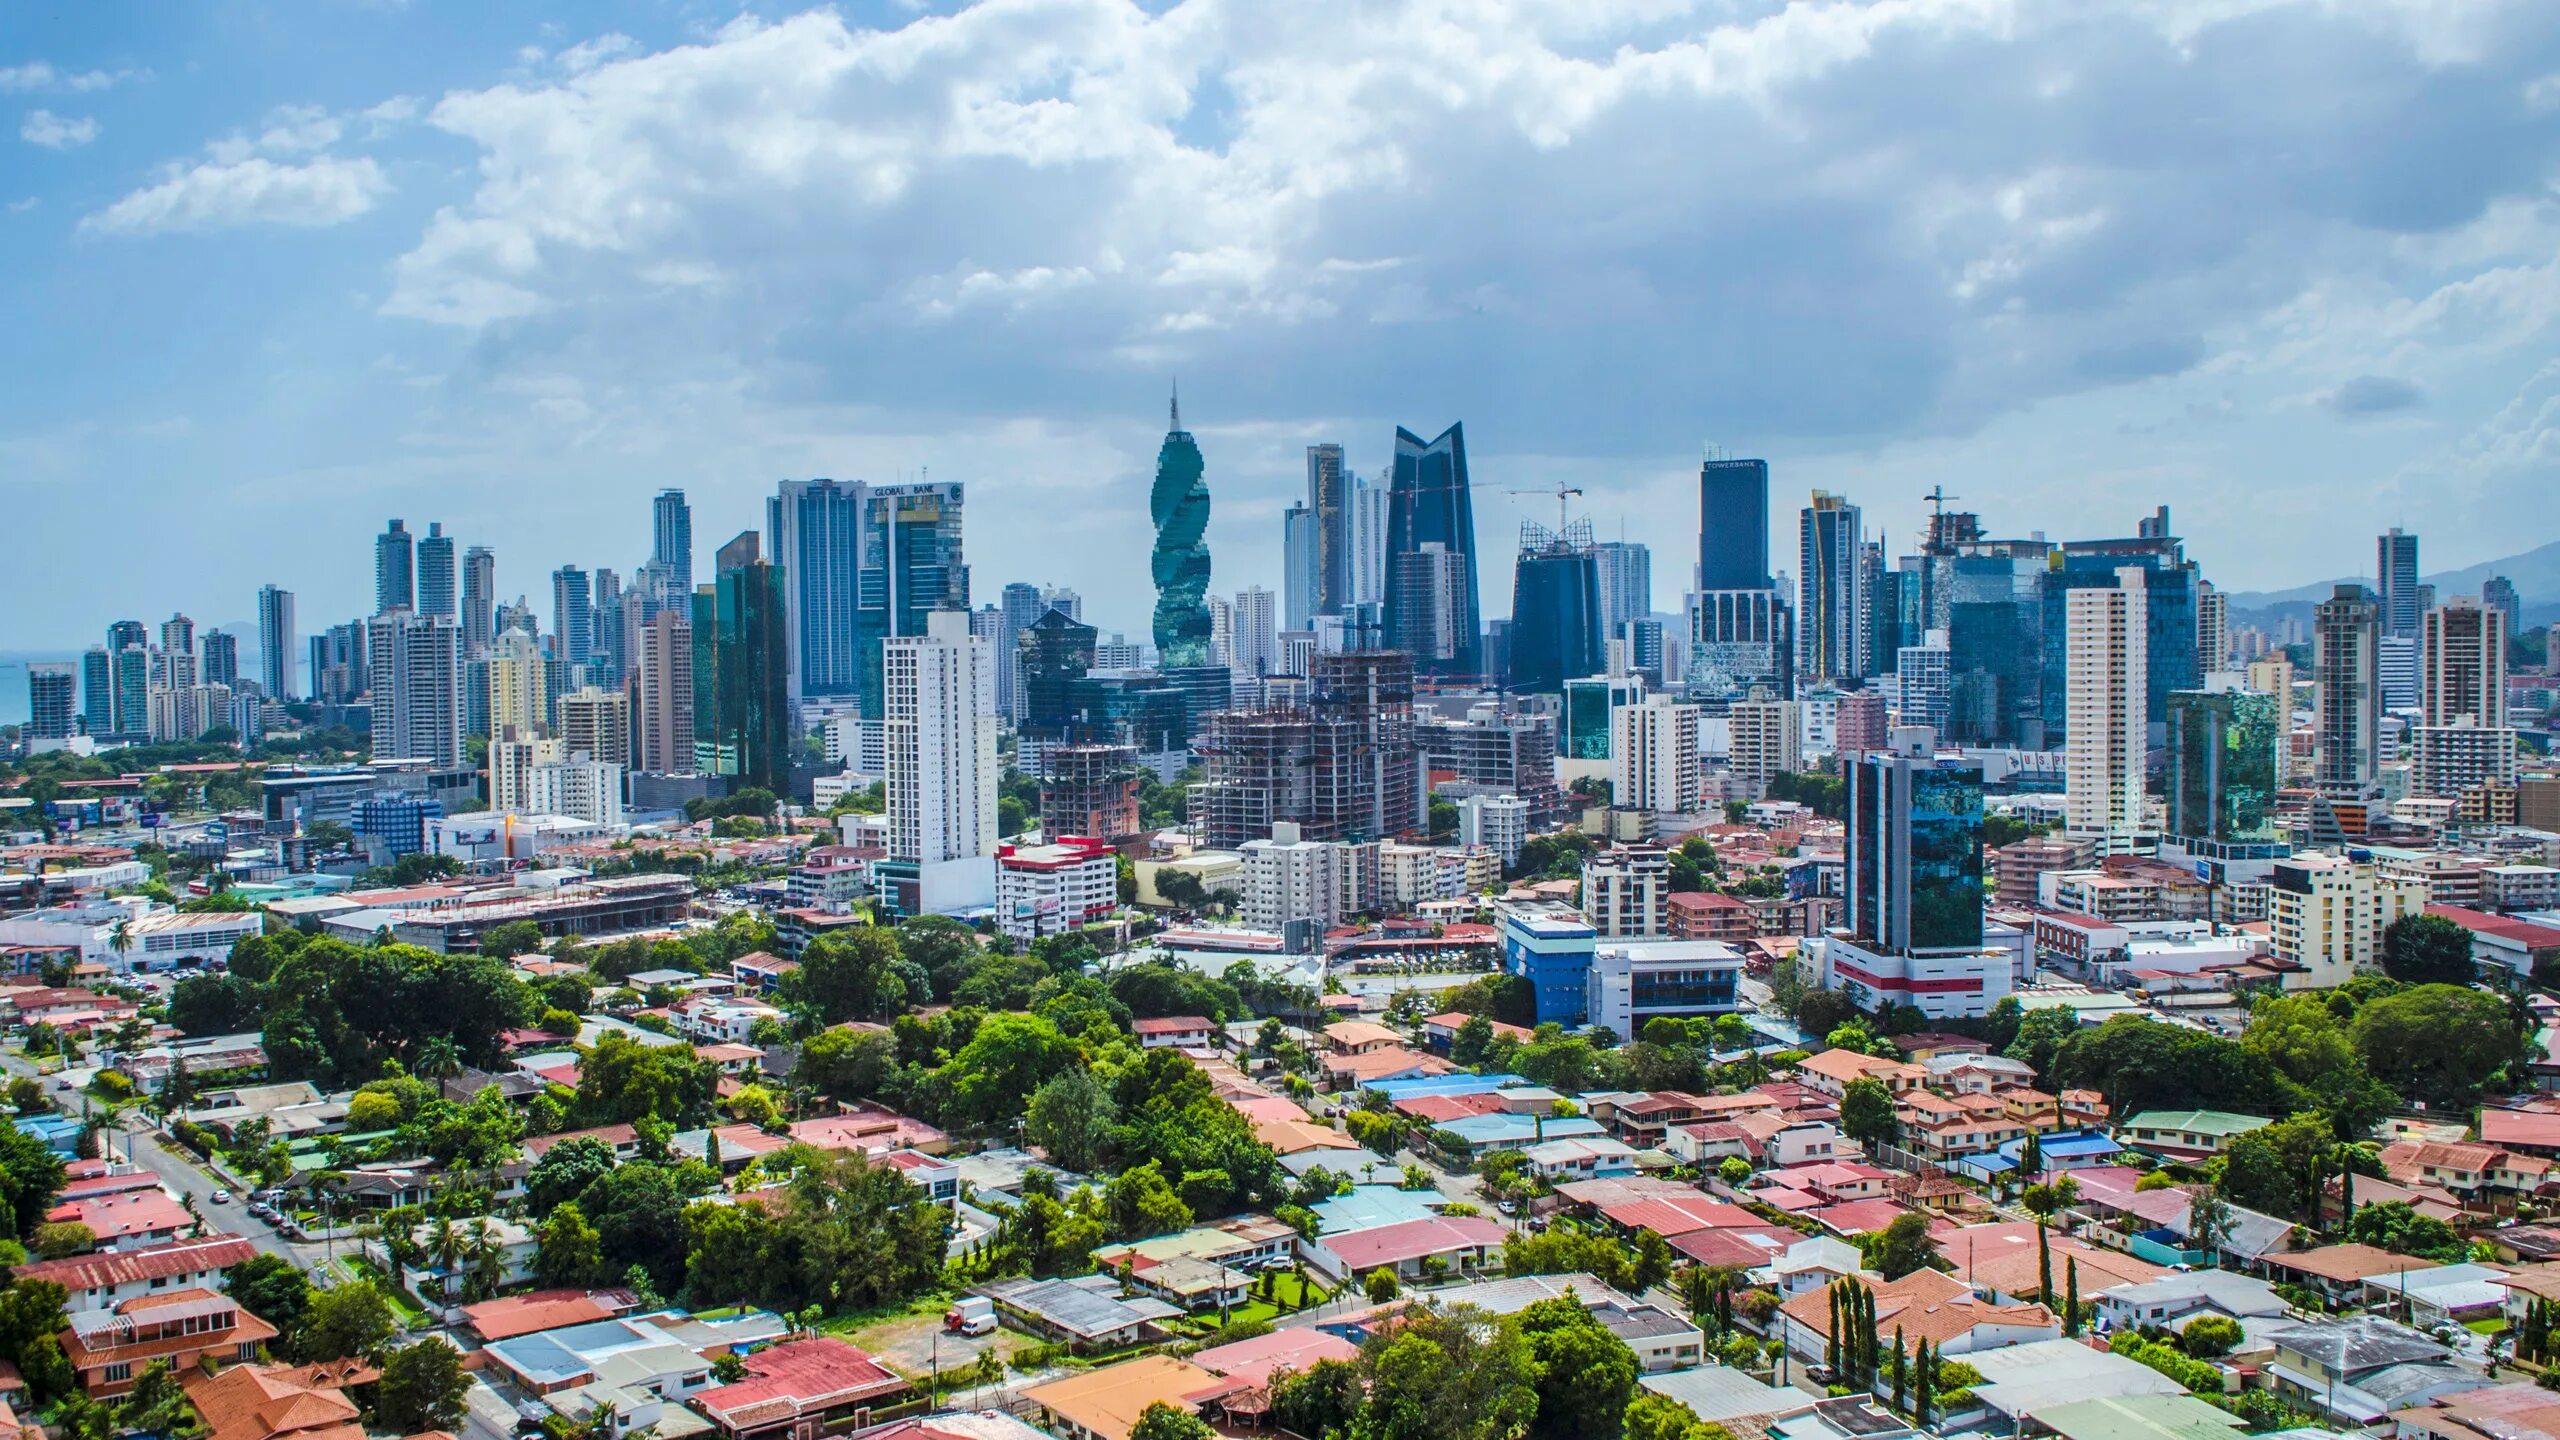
x=2141, y=1417
x=2204, y=1122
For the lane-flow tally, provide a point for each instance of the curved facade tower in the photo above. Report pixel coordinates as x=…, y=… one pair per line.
x=1180, y=505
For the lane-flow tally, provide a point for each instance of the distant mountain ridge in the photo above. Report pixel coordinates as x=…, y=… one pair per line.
x=2535, y=574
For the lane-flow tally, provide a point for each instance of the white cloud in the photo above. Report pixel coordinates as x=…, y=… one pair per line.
x=55, y=132
x=218, y=195
x=40, y=75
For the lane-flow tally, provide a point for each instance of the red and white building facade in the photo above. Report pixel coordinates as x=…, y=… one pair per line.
x=1051, y=889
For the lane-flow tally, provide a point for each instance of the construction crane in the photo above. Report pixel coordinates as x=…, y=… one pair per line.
x=1561, y=491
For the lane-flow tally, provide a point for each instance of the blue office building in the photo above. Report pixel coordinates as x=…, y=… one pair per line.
x=393, y=823
x=1551, y=949
x=1432, y=608
x=1733, y=525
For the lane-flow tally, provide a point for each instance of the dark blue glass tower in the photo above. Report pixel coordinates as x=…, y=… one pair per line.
x=1429, y=503
x=1733, y=525
x=1555, y=609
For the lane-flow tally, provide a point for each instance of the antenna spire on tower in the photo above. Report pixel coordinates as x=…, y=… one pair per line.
x=1177, y=405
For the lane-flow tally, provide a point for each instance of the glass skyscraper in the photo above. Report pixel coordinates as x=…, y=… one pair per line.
x=911, y=567
x=1179, y=504
x=1914, y=853
x=1432, y=609
x=671, y=539
x=2395, y=566
x=741, y=704
x=1733, y=525
x=2169, y=630
x=2222, y=764
x=394, y=569
x=1555, y=609
x=435, y=572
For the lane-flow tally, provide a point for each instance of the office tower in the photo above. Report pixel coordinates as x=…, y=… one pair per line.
x=415, y=662
x=940, y=725
x=1913, y=856
x=52, y=708
x=816, y=529
x=573, y=617
x=671, y=540
x=479, y=599
x=1858, y=723
x=741, y=697
x=519, y=685
x=2346, y=631
x=596, y=722
x=2395, y=568
x=435, y=571
x=1089, y=790
x=1179, y=504
x=97, y=691
x=1830, y=635
x=1051, y=655
x=604, y=645
x=2395, y=664
x=1879, y=606
x=1645, y=653
x=1432, y=611
x=2462, y=667
x=1329, y=499
x=1768, y=741
x=1257, y=633
x=1923, y=678
x=1298, y=566
x=2170, y=581
x=394, y=569
x=662, y=695
x=912, y=566
x=1369, y=541
x=2499, y=594
x=1063, y=600
x=1021, y=608
x=1555, y=609
x=2223, y=764
x=1626, y=583
x=221, y=654
x=1733, y=525
x=277, y=643
x=1654, y=759
x=2103, y=754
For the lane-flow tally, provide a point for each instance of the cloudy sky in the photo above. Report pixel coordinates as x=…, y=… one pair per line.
x=280, y=269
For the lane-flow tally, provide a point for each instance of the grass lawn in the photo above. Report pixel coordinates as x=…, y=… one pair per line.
x=407, y=1309
x=2492, y=1325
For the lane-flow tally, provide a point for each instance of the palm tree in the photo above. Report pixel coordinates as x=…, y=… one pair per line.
x=120, y=939
x=446, y=1245
x=485, y=1262
x=438, y=1058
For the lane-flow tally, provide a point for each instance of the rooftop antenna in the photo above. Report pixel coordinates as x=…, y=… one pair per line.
x=1177, y=404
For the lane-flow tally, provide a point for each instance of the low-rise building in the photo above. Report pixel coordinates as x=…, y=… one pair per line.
x=1632, y=982
x=2186, y=1134
x=799, y=1387
x=111, y=1346
x=1052, y=889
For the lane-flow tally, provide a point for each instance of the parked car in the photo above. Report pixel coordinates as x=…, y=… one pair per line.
x=221, y=1197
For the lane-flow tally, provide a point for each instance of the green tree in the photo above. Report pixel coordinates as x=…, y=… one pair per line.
x=1160, y=1421
x=2276, y=1168
x=1866, y=1112
x=2395, y=1226
x=421, y=1389
x=1320, y=1401
x=1901, y=1246
x=511, y=939
x=1142, y=1203
x=1584, y=1375
x=1071, y=1118
x=1447, y=1375
x=846, y=1064
x=1380, y=1285
x=2438, y=1043
x=992, y=1077
x=274, y=1289
x=30, y=1176
x=2427, y=949
x=568, y=1252
x=852, y=974
x=2209, y=1337
x=348, y=1320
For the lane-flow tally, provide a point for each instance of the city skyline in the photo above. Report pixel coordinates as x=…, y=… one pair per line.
x=2023, y=336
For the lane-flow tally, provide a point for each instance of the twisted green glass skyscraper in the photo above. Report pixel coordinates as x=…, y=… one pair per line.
x=1180, y=505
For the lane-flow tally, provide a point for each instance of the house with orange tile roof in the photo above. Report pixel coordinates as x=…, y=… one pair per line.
x=1831, y=1072
x=109, y=1348
x=1923, y=1305
x=279, y=1402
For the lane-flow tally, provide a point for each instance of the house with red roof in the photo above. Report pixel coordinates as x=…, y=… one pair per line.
x=1180, y=1032
x=799, y=1387
x=2518, y=946
x=2530, y=1132
x=109, y=1348
x=1461, y=1242
x=104, y=1279
x=126, y=1220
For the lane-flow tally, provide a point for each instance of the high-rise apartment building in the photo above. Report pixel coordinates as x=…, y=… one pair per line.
x=940, y=727
x=415, y=664
x=178, y=642
x=662, y=695
x=133, y=689
x=912, y=567
x=2327, y=913
x=596, y=722
x=98, y=691
x=2346, y=631
x=513, y=757
x=1431, y=613
x=2395, y=568
x=479, y=600
x=2462, y=663
x=1179, y=504
x=277, y=643
x=1089, y=790
x=741, y=699
x=2499, y=594
x=1555, y=609
x=2104, y=746
x=1256, y=625
x=394, y=569
x=1768, y=741
x=671, y=540
x=1293, y=886
x=52, y=705
x=2213, y=628
x=220, y=650
x=1654, y=759
x=1020, y=607
x=573, y=618
x=519, y=686
x=1369, y=541
x=435, y=572
x=1626, y=892
x=1831, y=619
x=1626, y=584
x=816, y=529
x=1924, y=678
